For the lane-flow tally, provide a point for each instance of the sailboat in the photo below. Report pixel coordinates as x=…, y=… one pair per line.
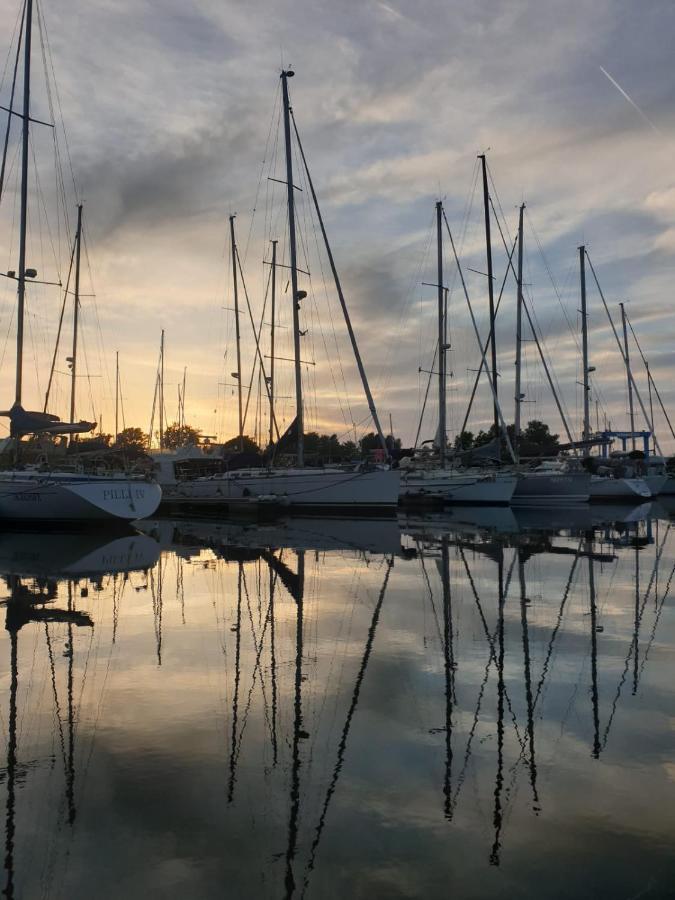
x=33, y=494
x=654, y=463
x=607, y=481
x=357, y=489
x=435, y=481
x=551, y=481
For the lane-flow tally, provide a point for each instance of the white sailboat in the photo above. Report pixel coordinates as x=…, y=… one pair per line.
x=605, y=485
x=44, y=496
x=358, y=489
x=551, y=482
x=433, y=481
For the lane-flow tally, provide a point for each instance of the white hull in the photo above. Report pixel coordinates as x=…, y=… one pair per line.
x=458, y=487
x=546, y=488
x=59, y=497
x=604, y=488
x=304, y=488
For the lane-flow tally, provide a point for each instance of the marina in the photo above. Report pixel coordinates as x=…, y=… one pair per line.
x=337, y=459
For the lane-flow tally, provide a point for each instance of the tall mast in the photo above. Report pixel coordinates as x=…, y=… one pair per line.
x=584, y=345
x=488, y=250
x=441, y=336
x=272, y=327
x=182, y=398
x=237, y=334
x=519, y=335
x=628, y=377
x=161, y=392
x=21, y=287
x=294, y=264
x=341, y=298
x=117, y=393
x=76, y=314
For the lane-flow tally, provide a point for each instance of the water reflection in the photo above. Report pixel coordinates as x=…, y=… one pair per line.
x=439, y=704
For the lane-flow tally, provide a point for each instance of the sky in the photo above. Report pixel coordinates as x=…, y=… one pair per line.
x=171, y=113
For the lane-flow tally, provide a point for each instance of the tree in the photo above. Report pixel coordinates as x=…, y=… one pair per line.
x=180, y=436
x=463, y=441
x=97, y=442
x=484, y=437
x=371, y=441
x=132, y=439
x=537, y=440
x=248, y=445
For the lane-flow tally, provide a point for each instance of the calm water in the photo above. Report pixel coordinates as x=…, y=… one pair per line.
x=421, y=708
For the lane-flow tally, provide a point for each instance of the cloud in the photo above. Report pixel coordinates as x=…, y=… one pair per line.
x=168, y=117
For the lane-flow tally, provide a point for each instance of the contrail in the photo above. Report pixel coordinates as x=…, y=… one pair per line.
x=631, y=101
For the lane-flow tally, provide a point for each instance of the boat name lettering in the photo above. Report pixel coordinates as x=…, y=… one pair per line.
x=116, y=494
x=28, y=497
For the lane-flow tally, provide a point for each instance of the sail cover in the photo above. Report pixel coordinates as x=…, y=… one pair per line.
x=23, y=421
x=286, y=442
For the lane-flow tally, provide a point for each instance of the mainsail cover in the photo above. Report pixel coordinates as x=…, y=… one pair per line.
x=23, y=421
x=287, y=441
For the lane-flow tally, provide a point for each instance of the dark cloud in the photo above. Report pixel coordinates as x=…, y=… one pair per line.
x=168, y=111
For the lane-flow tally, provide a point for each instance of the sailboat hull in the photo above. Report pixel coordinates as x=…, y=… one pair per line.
x=609, y=489
x=54, y=497
x=541, y=489
x=299, y=489
x=448, y=487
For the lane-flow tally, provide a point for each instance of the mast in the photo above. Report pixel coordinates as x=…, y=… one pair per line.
x=341, y=298
x=285, y=75
x=117, y=394
x=651, y=400
x=649, y=422
x=519, y=335
x=488, y=250
x=628, y=377
x=182, y=399
x=76, y=314
x=21, y=274
x=272, y=327
x=161, y=391
x=584, y=345
x=441, y=337
x=236, y=328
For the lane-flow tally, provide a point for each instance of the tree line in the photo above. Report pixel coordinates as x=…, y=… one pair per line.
x=536, y=440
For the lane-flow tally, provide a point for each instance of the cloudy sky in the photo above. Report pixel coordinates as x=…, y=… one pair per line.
x=171, y=112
